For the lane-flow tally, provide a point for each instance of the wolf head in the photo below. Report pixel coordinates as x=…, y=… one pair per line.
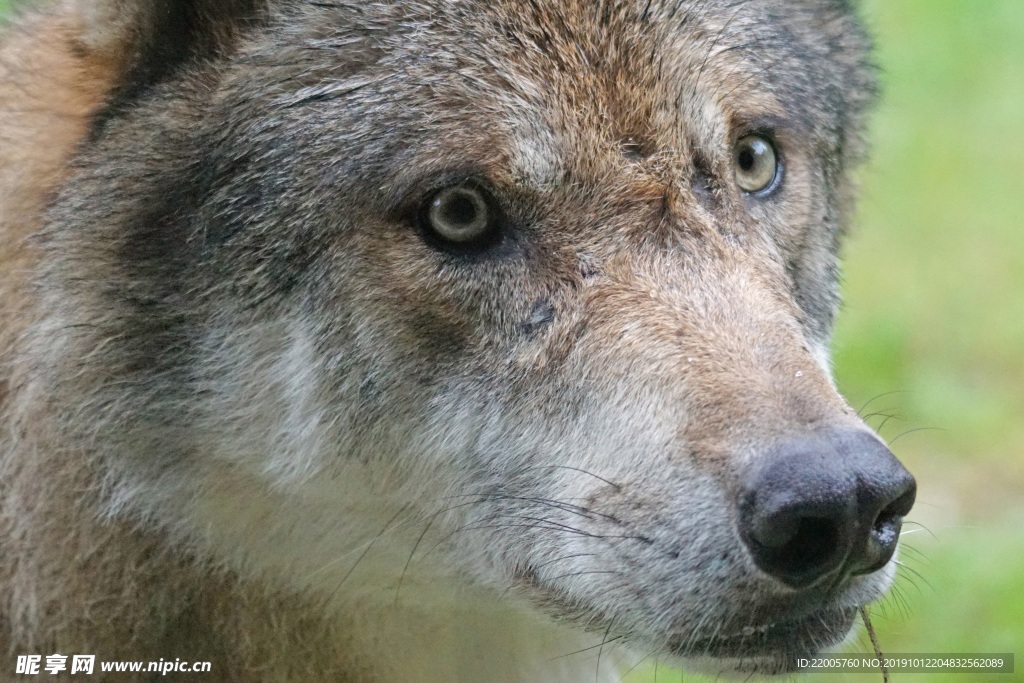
x=521, y=299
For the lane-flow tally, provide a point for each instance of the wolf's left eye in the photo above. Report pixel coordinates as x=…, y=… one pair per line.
x=460, y=215
x=757, y=165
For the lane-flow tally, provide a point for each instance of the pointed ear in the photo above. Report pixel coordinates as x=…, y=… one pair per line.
x=148, y=41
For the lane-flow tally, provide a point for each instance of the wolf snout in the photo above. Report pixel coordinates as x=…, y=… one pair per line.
x=825, y=505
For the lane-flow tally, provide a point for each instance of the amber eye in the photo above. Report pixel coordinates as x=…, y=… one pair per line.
x=460, y=215
x=757, y=165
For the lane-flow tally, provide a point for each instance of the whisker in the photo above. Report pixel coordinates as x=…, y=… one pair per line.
x=369, y=544
x=564, y=557
x=617, y=487
x=915, y=572
x=597, y=673
x=921, y=527
x=367, y=549
x=917, y=429
x=918, y=556
x=882, y=413
x=902, y=604
x=583, y=573
x=885, y=421
x=549, y=502
x=586, y=649
x=872, y=400
x=645, y=658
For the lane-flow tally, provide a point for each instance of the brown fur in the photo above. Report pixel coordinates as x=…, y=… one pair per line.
x=48, y=94
x=74, y=582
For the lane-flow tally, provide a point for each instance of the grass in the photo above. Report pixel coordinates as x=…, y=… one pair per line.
x=934, y=290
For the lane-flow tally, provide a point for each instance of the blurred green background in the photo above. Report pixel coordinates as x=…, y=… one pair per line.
x=934, y=310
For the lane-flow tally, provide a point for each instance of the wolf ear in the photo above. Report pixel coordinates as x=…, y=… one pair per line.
x=147, y=41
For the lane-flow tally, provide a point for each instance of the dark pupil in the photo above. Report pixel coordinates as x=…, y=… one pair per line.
x=459, y=209
x=747, y=159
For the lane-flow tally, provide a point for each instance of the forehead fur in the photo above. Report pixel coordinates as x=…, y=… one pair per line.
x=645, y=72
x=649, y=73
x=538, y=90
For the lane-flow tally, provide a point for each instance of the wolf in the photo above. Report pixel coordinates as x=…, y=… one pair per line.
x=431, y=340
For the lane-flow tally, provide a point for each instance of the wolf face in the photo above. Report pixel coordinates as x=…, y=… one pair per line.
x=525, y=305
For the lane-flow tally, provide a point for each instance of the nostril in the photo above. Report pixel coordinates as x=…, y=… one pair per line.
x=893, y=513
x=902, y=505
x=798, y=550
x=884, y=535
x=886, y=528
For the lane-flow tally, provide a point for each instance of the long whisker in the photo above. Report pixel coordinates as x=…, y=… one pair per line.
x=549, y=502
x=586, y=649
x=597, y=673
x=916, y=573
x=917, y=429
x=922, y=527
x=617, y=487
x=368, y=547
x=872, y=400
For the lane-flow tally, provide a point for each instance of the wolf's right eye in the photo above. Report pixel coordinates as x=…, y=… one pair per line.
x=756, y=163
x=460, y=216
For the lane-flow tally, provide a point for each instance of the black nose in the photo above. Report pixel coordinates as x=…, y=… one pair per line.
x=823, y=504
